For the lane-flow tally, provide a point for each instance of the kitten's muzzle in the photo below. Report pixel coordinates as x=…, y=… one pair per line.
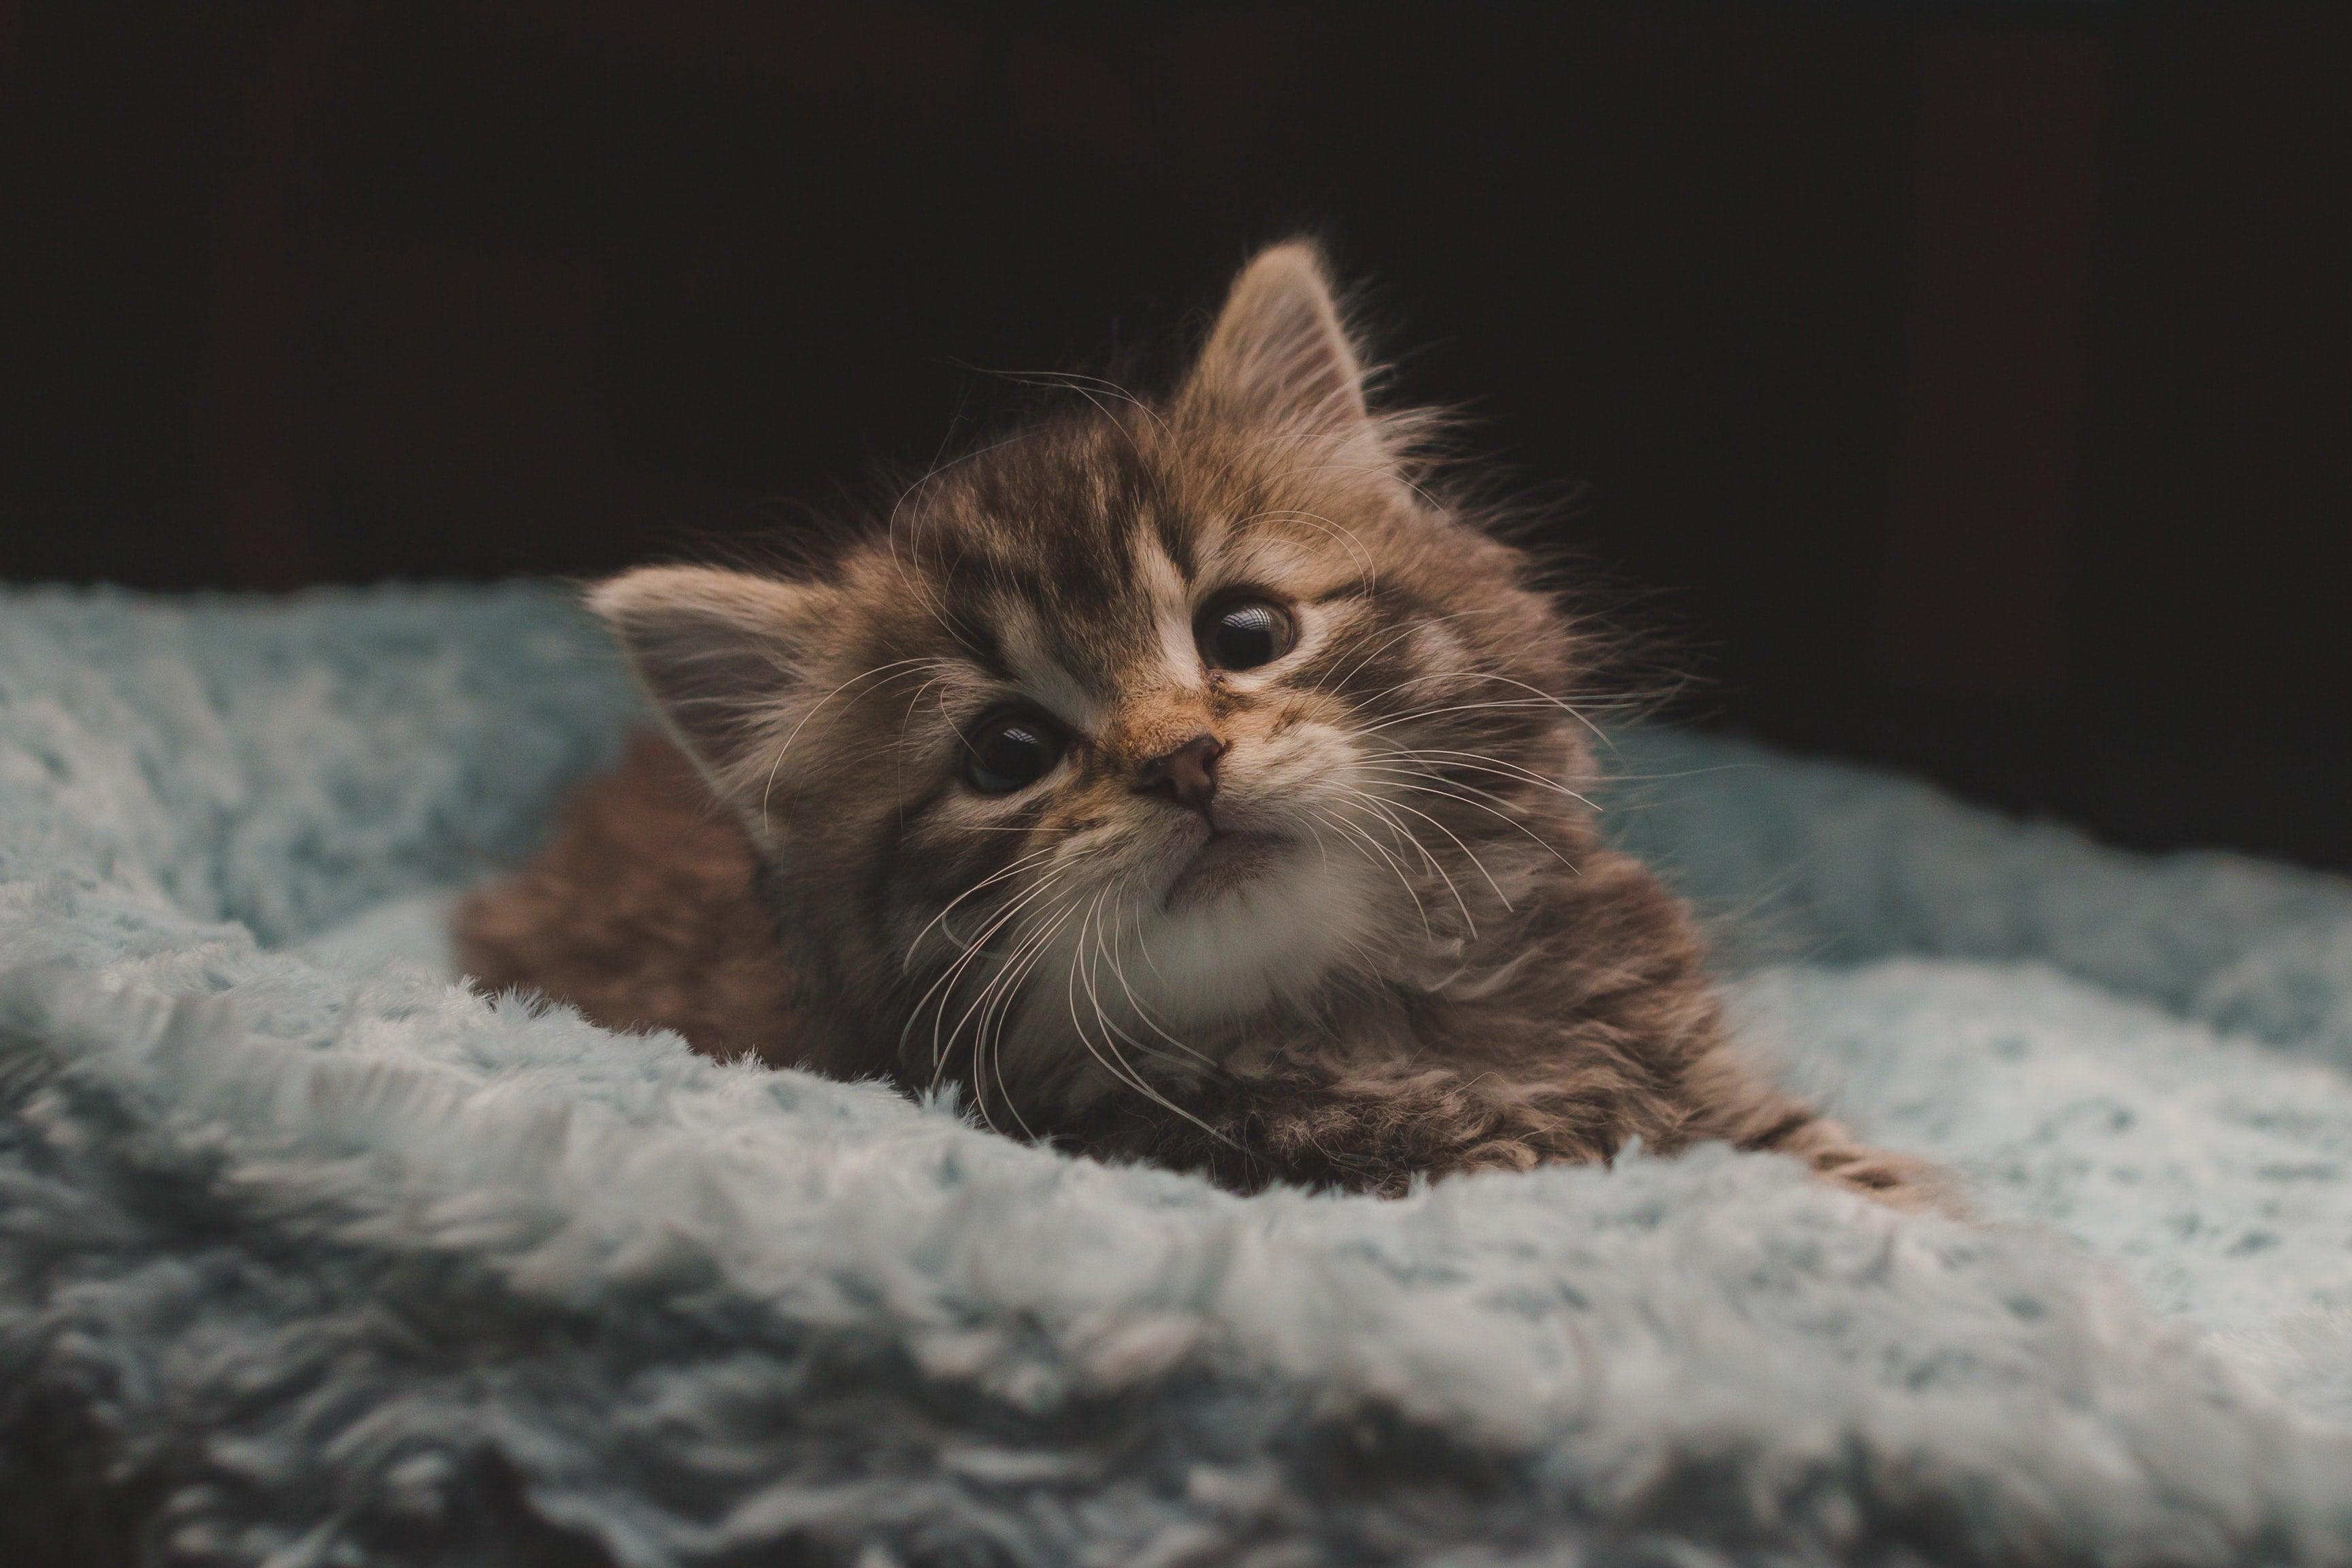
x=1224, y=861
x=1187, y=774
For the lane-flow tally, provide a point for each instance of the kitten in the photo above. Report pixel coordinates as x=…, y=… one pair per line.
x=1183, y=780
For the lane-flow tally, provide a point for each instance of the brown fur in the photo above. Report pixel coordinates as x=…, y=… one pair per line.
x=642, y=914
x=1438, y=967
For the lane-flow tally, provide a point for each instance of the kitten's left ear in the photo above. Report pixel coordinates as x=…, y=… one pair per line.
x=1280, y=350
x=727, y=657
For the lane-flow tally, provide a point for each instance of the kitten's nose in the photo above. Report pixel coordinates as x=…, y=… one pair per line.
x=1189, y=773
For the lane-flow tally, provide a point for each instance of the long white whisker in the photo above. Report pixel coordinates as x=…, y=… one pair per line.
x=1357, y=833
x=1556, y=702
x=1465, y=849
x=1079, y=1027
x=1015, y=911
x=904, y=722
x=944, y=987
x=1124, y=1071
x=1398, y=777
x=980, y=1004
x=1118, y=972
x=1459, y=707
x=983, y=883
x=1479, y=762
x=1391, y=640
x=768, y=789
x=1006, y=986
x=1380, y=809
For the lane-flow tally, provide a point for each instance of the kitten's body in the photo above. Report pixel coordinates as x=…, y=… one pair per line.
x=644, y=912
x=1285, y=878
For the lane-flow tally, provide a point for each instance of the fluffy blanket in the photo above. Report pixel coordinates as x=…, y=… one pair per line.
x=308, y=1257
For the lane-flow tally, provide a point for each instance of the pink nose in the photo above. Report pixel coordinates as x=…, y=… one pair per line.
x=1189, y=773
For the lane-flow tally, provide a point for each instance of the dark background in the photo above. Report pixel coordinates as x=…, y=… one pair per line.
x=1968, y=387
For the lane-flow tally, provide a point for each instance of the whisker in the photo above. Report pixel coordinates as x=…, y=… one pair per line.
x=1458, y=707
x=899, y=781
x=1005, y=986
x=920, y=664
x=984, y=883
x=1479, y=761
x=1118, y=972
x=944, y=987
x=1556, y=701
x=941, y=1048
x=1070, y=381
x=1029, y=936
x=1397, y=778
x=1391, y=640
x=1458, y=844
x=1379, y=808
x=1128, y=1075
x=1079, y=1029
x=1403, y=881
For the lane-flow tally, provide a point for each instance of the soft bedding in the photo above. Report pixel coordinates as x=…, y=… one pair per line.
x=309, y=1255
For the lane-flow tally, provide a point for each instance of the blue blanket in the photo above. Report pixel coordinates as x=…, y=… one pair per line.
x=308, y=1256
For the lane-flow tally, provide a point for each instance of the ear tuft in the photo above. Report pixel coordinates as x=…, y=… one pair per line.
x=1279, y=350
x=721, y=652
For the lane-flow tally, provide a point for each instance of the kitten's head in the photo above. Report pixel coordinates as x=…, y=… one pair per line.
x=1122, y=732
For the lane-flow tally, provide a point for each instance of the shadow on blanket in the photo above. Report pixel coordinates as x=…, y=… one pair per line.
x=308, y=1256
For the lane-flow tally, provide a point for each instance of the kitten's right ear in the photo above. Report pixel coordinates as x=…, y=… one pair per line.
x=722, y=653
x=1280, y=349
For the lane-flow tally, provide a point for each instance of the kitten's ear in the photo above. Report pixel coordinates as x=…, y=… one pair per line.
x=1279, y=350
x=722, y=653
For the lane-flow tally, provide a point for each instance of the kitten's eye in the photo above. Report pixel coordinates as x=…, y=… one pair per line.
x=1243, y=633
x=1009, y=752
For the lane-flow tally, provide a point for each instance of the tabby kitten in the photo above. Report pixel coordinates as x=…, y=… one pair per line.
x=1184, y=782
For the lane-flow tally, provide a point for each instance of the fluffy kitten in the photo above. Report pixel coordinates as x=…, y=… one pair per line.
x=1183, y=780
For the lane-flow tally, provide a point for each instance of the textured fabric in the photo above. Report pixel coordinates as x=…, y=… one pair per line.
x=308, y=1256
